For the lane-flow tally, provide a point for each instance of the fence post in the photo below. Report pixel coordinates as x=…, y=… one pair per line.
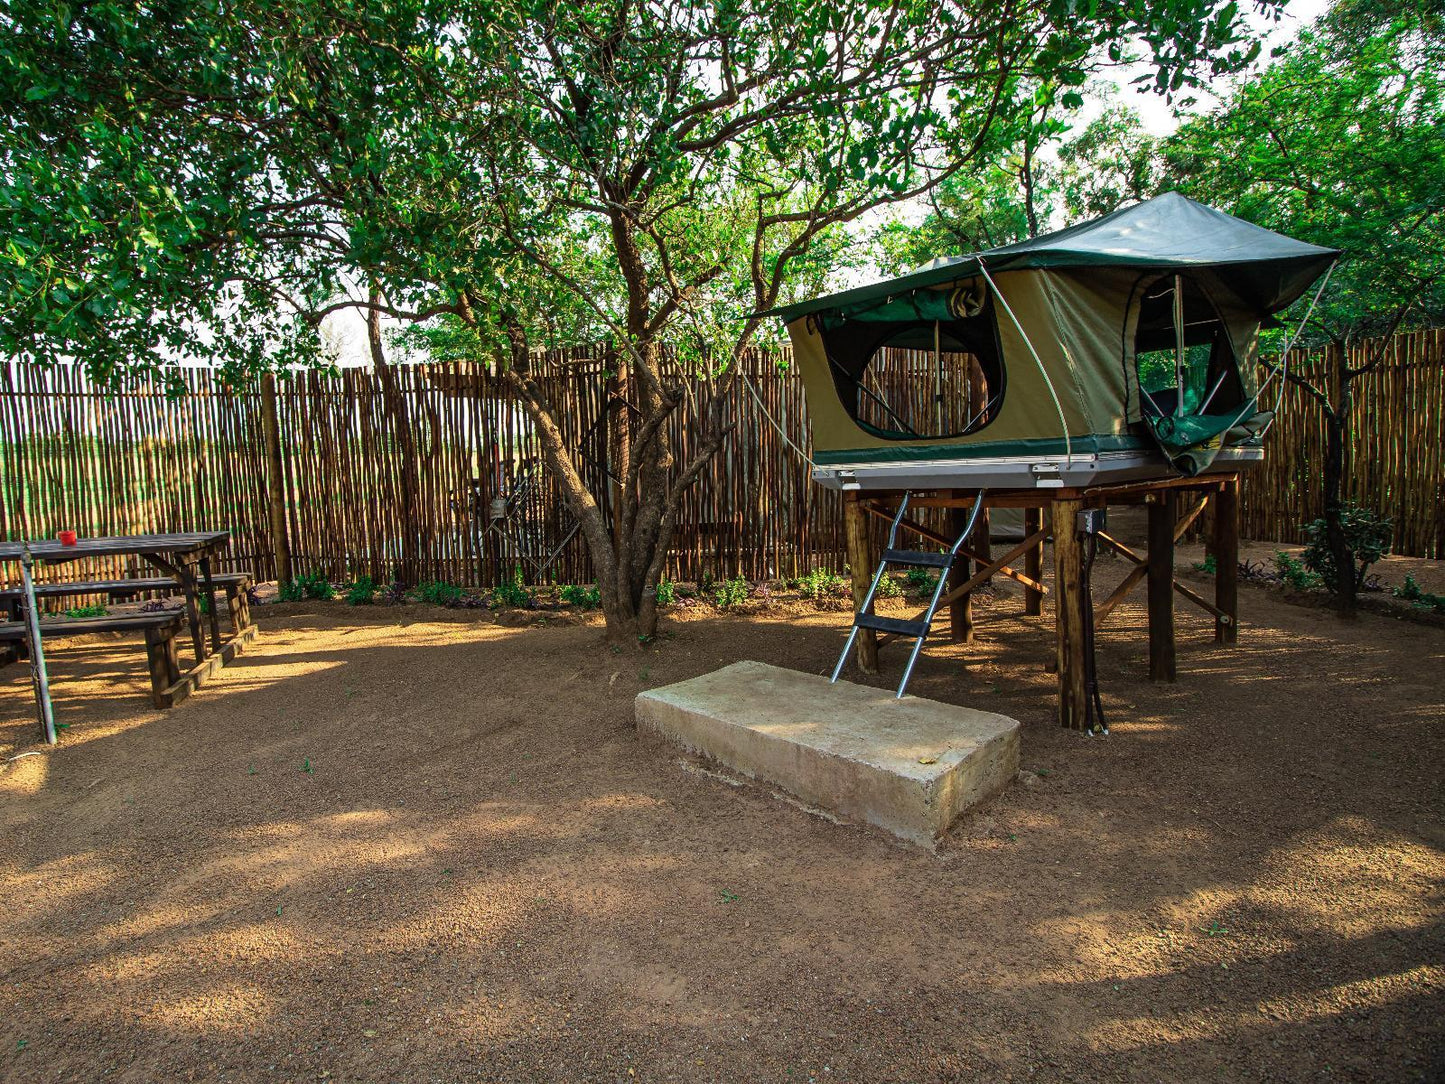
x=1440, y=522
x=275, y=479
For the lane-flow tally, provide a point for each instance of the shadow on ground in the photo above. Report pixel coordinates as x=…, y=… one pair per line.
x=406, y=845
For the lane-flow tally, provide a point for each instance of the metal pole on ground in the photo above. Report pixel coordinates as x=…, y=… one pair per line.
x=37, y=653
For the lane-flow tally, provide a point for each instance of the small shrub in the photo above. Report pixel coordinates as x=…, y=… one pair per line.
x=513, y=593
x=1208, y=566
x=1367, y=536
x=362, y=592
x=1293, y=573
x=87, y=611
x=586, y=598
x=666, y=592
x=820, y=583
x=313, y=584
x=730, y=593
x=439, y=593
x=888, y=588
x=921, y=581
x=394, y=595
x=1411, y=592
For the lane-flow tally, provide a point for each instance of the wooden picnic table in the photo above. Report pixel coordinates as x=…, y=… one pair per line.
x=185, y=556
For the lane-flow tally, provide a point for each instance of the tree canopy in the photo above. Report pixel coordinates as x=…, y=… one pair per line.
x=208, y=181
x=205, y=180
x=1341, y=142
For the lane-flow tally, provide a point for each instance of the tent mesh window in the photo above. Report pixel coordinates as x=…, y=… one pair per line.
x=919, y=380
x=1207, y=374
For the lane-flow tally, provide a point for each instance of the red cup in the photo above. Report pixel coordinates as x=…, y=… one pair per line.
x=67, y=538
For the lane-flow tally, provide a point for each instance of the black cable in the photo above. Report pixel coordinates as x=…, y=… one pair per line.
x=1093, y=704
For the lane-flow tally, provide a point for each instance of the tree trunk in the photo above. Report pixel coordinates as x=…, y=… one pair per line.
x=630, y=552
x=397, y=416
x=1337, y=426
x=619, y=435
x=609, y=552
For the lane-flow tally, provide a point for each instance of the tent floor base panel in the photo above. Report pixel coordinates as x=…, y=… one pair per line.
x=1041, y=472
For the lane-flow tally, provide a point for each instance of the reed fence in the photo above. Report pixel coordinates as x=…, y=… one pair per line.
x=1395, y=455
x=74, y=455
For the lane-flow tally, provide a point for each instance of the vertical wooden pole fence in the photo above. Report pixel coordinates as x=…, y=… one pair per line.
x=398, y=472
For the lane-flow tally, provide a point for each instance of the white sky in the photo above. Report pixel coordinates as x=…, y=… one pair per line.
x=1157, y=115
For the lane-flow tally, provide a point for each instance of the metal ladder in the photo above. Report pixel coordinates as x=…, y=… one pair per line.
x=918, y=628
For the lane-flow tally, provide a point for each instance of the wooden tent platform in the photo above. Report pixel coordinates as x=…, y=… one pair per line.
x=1173, y=506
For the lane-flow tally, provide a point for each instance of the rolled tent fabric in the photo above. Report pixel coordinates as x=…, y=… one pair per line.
x=1191, y=442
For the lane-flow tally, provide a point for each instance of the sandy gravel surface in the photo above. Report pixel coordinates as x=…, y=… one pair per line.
x=416, y=845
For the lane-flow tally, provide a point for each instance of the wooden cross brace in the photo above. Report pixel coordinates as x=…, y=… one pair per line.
x=995, y=568
x=1141, y=569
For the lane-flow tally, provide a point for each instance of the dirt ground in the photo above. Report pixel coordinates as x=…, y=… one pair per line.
x=408, y=844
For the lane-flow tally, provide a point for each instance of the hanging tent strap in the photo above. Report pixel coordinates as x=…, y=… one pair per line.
x=937, y=381
x=1283, y=365
x=1178, y=346
x=1284, y=357
x=773, y=422
x=1063, y=424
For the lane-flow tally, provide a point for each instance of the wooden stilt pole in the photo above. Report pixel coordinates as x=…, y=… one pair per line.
x=1161, y=507
x=1226, y=561
x=982, y=546
x=860, y=564
x=960, y=610
x=1033, y=562
x=1069, y=612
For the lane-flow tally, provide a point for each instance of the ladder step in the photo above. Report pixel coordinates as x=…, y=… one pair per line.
x=917, y=629
x=917, y=557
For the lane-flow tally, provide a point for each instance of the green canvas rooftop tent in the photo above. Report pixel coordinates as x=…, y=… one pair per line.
x=1119, y=349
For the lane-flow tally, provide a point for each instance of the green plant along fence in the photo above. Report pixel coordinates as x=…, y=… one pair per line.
x=481, y=503
x=1396, y=454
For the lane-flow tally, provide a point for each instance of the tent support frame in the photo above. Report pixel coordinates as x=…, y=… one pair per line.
x=1175, y=506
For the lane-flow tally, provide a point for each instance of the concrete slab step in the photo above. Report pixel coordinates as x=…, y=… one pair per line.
x=909, y=766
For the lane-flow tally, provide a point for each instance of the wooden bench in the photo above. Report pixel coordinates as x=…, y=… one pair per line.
x=160, y=638
x=235, y=584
